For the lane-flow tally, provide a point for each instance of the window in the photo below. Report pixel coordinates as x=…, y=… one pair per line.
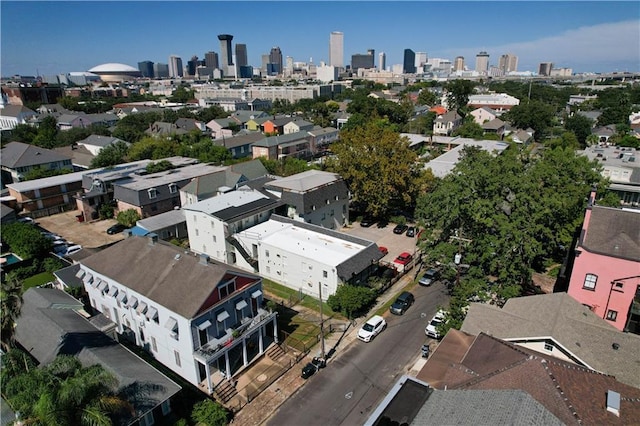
x=212, y=222
x=590, y=282
x=612, y=315
x=173, y=188
x=266, y=253
x=197, y=233
x=153, y=193
x=227, y=289
x=148, y=419
x=548, y=346
x=166, y=407
x=618, y=284
x=324, y=274
x=176, y=354
x=154, y=346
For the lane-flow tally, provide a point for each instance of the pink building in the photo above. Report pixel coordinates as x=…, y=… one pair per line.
x=606, y=271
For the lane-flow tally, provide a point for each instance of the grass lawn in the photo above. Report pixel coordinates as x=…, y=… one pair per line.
x=36, y=280
x=286, y=293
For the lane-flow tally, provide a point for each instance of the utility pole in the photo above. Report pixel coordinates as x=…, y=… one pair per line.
x=321, y=321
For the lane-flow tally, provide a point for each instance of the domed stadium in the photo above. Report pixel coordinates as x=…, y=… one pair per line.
x=114, y=72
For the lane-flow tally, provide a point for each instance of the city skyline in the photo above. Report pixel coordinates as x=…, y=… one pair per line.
x=585, y=36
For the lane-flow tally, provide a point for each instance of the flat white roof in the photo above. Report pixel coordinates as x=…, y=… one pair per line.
x=237, y=198
x=328, y=249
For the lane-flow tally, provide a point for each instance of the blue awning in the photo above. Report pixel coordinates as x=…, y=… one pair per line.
x=136, y=230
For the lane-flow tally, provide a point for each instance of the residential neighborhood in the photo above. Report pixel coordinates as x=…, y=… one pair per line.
x=300, y=243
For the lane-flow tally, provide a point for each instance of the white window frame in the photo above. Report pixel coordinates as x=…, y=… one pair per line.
x=153, y=193
x=590, y=281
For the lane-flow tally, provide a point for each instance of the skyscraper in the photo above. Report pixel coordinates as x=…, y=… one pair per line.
x=336, y=49
x=192, y=65
x=421, y=59
x=382, y=61
x=545, y=68
x=160, y=70
x=146, y=68
x=241, y=55
x=508, y=63
x=226, y=54
x=211, y=60
x=458, y=63
x=175, y=66
x=482, y=62
x=409, y=63
x=360, y=60
x=275, y=59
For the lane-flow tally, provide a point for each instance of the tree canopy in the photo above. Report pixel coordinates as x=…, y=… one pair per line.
x=535, y=114
x=25, y=240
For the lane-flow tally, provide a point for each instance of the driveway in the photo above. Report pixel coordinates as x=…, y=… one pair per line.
x=87, y=234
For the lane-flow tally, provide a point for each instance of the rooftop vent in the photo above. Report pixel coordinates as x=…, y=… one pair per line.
x=153, y=239
x=615, y=346
x=613, y=402
x=204, y=259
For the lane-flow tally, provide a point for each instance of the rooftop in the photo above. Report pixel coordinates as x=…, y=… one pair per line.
x=613, y=232
x=305, y=181
x=444, y=164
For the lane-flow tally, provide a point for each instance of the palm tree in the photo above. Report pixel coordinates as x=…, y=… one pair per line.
x=10, y=305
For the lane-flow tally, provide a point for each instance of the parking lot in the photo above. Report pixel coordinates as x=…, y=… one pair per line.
x=87, y=234
x=384, y=237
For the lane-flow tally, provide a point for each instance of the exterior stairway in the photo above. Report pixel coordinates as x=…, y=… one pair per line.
x=253, y=262
x=275, y=352
x=225, y=391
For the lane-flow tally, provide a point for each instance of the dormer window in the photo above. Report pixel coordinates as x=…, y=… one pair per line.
x=173, y=188
x=153, y=193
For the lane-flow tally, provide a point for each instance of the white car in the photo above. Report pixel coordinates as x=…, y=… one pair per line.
x=372, y=328
x=73, y=249
x=432, y=328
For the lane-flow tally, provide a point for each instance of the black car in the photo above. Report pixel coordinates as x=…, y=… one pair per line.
x=399, y=229
x=402, y=303
x=316, y=364
x=366, y=222
x=117, y=228
x=411, y=231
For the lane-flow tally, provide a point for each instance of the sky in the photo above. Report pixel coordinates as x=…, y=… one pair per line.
x=55, y=37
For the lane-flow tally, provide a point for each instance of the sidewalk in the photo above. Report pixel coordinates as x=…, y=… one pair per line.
x=266, y=404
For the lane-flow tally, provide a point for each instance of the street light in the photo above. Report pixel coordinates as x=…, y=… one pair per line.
x=456, y=259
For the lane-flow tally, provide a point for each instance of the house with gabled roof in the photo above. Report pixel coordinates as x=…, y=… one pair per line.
x=240, y=145
x=190, y=124
x=275, y=126
x=243, y=116
x=320, y=138
x=308, y=257
x=202, y=319
x=81, y=157
x=281, y=146
x=19, y=158
x=606, y=267
x=495, y=126
x=162, y=129
x=446, y=123
x=483, y=114
x=82, y=120
x=558, y=326
x=96, y=143
x=53, y=323
x=221, y=127
x=297, y=125
x=12, y=115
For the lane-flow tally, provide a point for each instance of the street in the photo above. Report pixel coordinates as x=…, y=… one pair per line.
x=351, y=386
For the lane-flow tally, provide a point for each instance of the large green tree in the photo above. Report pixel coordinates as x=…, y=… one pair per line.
x=10, y=305
x=458, y=92
x=351, y=300
x=535, y=114
x=25, y=240
x=111, y=155
x=380, y=169
x=581, y=126
x=209, y=413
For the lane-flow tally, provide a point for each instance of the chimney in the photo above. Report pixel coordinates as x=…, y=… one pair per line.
x=153, y=239
x=613, y=402
x=204, y=259
x=127, y=233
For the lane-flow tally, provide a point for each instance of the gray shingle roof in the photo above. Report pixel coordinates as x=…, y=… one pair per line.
x=281, y=139
x=560, y=317
x=613, y=232
x=15, y=111
x=99, y=140
x=18, y=154
x=164, y=273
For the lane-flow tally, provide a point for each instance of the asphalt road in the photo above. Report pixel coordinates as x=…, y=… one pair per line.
x=351, y=386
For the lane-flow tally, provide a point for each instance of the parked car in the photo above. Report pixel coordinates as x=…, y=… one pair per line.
x=310, y=369
x=402, y=303
x=372, y=328
x=383, y=250
x=73, y=249
x=115, y=229
x=432, y=328
x=27, y=220
x=429, y=277
x=366, y=222
x=51, y=236
x=399, y=229
x=411, y=231
x=403, y=258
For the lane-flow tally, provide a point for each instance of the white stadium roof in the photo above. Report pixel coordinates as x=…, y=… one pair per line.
x=113, y=68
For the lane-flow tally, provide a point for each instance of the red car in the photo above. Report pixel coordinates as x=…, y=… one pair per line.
x=383, y=250
x=403, y=258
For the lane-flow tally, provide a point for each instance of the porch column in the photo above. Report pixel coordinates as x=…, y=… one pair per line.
x=260, y=342
x=227, y=365
x=275, y=330
x=245, y=359
x=207, y=370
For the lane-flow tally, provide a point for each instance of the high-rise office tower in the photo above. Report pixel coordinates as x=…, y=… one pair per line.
x=421, y=59
x=508, y=63
x=146, y=69
x=192, y=65
x=226, y=54
x=360, y=60
x=241, y=55
x=409, y=63
x=211, y=60
x=289, y=66
x=275, y=58
x=160, y=70
x=264, y=63
x=175, y=66
x=458, y=63
x=336, y=49
x=482, y=62
x=382, y=61
x=545, y=68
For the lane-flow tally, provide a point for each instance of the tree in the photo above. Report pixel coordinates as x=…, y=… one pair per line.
x=182, y=94
x=25, y=240
x=40, y=172
x=380, y=169
x=581, y=126
x=10, y=304
x=458, y=92
x=210, y=413
x=111, y=155
x=427, y=97
x=47, y=132
x=469, y=129
x=23, y=133
x=567, y=140
x=128, y=217
x=160, y=166
x=535, y=114
x=287, y=167
x=132, y=127
x=351, y=300
x=149, y=148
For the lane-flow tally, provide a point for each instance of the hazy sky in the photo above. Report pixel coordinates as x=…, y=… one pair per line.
x=55, y=37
